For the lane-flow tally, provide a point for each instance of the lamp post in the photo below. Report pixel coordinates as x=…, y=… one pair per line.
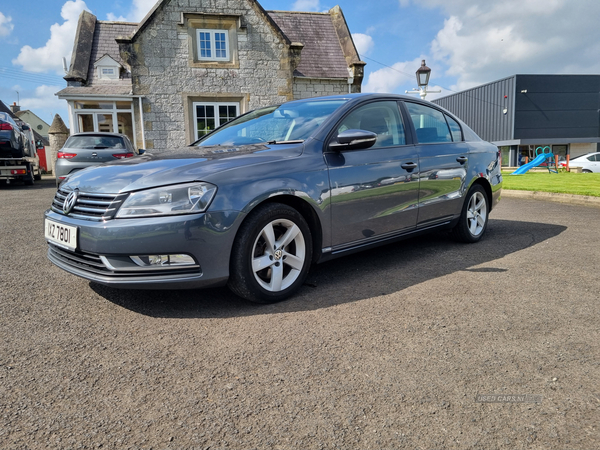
x=423, y=74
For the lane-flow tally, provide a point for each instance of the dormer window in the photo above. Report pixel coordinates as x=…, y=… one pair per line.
x=213, y=45
x=107, y=68
x=107, y=73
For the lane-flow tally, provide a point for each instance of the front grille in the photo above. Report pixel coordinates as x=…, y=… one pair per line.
x=89, y=206
x=92, y=264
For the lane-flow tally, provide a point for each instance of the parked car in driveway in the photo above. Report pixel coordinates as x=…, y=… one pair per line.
x=257, y=201
x=83, y=150
x=589, y=163
x=13, y=140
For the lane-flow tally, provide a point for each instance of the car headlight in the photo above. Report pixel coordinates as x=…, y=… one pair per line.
x=189, y=198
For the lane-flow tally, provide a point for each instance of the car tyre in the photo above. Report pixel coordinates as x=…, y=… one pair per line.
x=29, y=179
x=586, y=171
x=271, y=254
x=474, y=216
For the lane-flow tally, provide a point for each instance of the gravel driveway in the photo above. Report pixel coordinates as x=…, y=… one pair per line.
x=387, y=349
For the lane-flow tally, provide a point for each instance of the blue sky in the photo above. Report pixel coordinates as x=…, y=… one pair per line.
x=465, y=42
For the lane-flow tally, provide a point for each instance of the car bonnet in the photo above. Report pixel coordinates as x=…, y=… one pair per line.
x=175, y=166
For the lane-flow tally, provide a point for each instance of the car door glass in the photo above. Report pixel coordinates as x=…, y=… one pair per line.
x=430, y=124
x=454, y=129
x=381, y=118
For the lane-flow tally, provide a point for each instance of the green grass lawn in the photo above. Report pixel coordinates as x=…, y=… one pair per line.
x=564, y=182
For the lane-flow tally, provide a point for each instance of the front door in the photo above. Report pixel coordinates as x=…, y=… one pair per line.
x=374, y=191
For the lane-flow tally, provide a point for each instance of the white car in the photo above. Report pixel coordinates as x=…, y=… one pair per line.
x=588, y=163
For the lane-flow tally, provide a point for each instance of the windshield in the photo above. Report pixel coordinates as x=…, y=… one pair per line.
x=275, y=124
x=94, y=142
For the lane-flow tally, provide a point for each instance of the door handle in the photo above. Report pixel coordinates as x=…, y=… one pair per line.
x=409, y=165
x=462, y=159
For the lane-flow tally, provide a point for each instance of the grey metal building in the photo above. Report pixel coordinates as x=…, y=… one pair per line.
x=524, y=112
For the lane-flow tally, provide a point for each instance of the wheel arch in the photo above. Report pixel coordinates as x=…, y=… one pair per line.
x=306, y=211
x=483, y=182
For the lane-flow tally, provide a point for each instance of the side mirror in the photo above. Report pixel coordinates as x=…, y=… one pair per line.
x=141, y=151
x=24, y=128
x=353, y=140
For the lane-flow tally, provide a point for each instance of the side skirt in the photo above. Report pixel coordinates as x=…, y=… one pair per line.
x=329, y=253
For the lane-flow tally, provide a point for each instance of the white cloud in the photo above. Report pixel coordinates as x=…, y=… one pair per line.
x=43, y=98
x=306, y=5
x=389, y=79
x=60, y=44
x=6, y=25
x=139, y=9
x=484, y=41
x=363, y=42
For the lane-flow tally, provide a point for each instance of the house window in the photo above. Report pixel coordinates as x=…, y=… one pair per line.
x=213, y=45
x=110, y=117
x=209, y=116
x=108, y=73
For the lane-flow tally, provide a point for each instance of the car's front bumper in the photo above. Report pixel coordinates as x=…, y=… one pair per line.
x=104, y=247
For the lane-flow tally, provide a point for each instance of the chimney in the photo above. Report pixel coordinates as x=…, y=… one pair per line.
x=15, y=108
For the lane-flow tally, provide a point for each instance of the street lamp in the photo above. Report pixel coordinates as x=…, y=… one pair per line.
x=423, y=74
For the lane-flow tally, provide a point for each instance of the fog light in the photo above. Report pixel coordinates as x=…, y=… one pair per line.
x=163, y=260
x=155, y=260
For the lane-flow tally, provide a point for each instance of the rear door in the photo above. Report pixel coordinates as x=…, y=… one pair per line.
x=374, y=191
x=443, y=159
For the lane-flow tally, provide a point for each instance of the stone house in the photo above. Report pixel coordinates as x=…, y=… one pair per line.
x=191, y=65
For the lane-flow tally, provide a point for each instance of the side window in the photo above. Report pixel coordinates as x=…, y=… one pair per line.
x=382, y=118
x=429, y=123
x=454, y=129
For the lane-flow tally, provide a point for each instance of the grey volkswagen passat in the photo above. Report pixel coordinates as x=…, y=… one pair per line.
x=254, y=203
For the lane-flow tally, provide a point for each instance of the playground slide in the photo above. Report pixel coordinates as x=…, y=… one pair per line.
x=539, y=159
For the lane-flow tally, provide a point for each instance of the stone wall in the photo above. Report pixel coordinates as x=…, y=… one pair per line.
x=309, y=87
x=58, y=133
x=164, y=74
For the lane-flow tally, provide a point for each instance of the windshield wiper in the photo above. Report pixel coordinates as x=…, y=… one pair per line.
x=297, y=141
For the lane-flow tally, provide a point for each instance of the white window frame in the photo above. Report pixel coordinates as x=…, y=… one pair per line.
x=113, y=112
x=217, y=118
x=113, y=75
x=212, y=49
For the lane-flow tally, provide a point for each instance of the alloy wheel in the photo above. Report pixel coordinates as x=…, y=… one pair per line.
x=477, y=214
x=278, y=255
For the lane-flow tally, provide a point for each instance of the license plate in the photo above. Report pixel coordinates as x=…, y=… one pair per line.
x=62, y=235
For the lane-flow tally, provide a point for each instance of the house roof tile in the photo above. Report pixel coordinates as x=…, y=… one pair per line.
x=119, y=89
x=322, y=55
x=104, y=43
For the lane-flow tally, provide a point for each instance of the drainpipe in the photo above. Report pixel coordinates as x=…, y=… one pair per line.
x=142, y=122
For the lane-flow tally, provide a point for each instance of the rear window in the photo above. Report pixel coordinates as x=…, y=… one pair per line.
x=95, y=142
